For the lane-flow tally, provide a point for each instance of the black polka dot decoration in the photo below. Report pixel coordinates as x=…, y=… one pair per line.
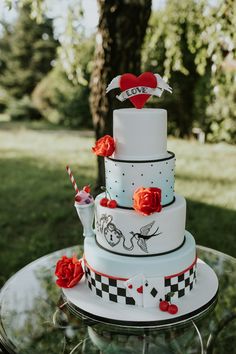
x=123, y=174
x=132, y=165
x=132, y=183
x=109, y=171
x=166, y=195
x=152, y=182
x=116, y=196
x=166, y=162
x=166, y=180
x=141, y=174
x=171, y=187
x=160, y=173
x=110, y=188
x=115, y=164
x=172, y=169
x=115, y=181
x=151, y=165
x=123, y=191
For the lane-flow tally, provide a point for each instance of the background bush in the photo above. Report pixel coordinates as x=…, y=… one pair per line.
x=63, y=101
x=22, y=109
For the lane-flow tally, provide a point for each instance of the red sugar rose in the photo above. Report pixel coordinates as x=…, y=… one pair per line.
x=105, y=146
x=147, y=200
x=69, y=272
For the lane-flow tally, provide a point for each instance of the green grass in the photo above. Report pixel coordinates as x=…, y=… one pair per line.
x=36, y=205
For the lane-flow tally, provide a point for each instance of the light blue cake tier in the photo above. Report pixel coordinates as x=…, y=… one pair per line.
x=124, y=177
x=124, y=266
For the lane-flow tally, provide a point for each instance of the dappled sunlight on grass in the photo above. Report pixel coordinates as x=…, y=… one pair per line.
x=206, y=173
x=36, y=204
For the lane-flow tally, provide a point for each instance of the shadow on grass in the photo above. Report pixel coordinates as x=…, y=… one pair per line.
x=37, y=214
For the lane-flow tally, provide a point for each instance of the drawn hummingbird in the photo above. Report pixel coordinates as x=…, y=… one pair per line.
x=143, y=236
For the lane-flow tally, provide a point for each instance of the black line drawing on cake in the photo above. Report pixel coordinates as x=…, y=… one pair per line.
x=143, y=236
x=112, y=234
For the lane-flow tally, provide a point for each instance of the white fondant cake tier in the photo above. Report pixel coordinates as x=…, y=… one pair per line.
x=127, y=232
x=126, y=267
x=124, y=177
x=140, y=134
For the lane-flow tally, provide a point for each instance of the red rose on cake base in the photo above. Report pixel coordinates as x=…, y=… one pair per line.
x=69, y=272
x=104, y=146
x=147, y=200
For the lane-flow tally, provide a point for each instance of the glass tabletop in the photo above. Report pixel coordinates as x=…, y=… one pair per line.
x=35, y=318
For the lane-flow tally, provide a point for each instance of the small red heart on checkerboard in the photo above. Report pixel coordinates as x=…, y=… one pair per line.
x=140, y=289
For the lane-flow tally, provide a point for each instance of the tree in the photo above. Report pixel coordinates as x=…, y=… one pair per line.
x=27, y=51
x=193, y=44
x=121, y=31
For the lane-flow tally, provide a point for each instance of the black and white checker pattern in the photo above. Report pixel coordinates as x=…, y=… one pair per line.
x=114, y=290
x=181, y=284
x=107, y=288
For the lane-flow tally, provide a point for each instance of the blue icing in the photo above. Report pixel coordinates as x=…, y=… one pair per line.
x=123, y=178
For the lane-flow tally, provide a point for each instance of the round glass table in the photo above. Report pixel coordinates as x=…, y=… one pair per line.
x=35, y=318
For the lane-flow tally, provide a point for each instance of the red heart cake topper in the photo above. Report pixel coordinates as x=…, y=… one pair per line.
x=138, y=89
x=130, y=81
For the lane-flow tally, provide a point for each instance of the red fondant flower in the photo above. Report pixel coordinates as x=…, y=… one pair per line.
x=147, y=200
x=105, y=146
x=69, y=272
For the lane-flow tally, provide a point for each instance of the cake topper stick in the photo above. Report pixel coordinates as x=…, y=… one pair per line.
x=72, y=179
x=138, y=89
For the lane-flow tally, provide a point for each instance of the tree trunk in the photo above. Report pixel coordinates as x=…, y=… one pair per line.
x=121, y=30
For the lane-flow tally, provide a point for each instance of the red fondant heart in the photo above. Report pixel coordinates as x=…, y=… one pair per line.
x=128, y=81
x=130, y=286
x=140, y=289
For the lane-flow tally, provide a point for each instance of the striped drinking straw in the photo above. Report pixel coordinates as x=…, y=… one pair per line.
x=72, y=179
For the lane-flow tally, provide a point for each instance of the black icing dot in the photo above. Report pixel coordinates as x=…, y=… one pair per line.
x=172, y=169
x=123, y=174
x=141, y=174
x=152, y=182
x=151, y=165
x=132, y=183
x=110, y=188
x=109, y=171
x=123, y=191
x=166, y=195
x=116, y=196
x=171, y=187
x=166, y=180
x=115, y=164
x=132, y=165
x=115, y=181
x=166, y=162
x=160, y=172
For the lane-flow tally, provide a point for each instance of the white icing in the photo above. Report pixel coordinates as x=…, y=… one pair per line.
x=140, y=134
x=127, y=267
x=114, y=228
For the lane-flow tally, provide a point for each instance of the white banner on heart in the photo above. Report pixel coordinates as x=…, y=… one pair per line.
x=139, y=90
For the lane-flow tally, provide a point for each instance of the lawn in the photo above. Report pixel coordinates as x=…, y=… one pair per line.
x=36, y=205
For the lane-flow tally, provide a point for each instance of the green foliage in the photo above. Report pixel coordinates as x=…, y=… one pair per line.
x=27, y=51
x=63, y=101
x=22, y=109
x=193, y=44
